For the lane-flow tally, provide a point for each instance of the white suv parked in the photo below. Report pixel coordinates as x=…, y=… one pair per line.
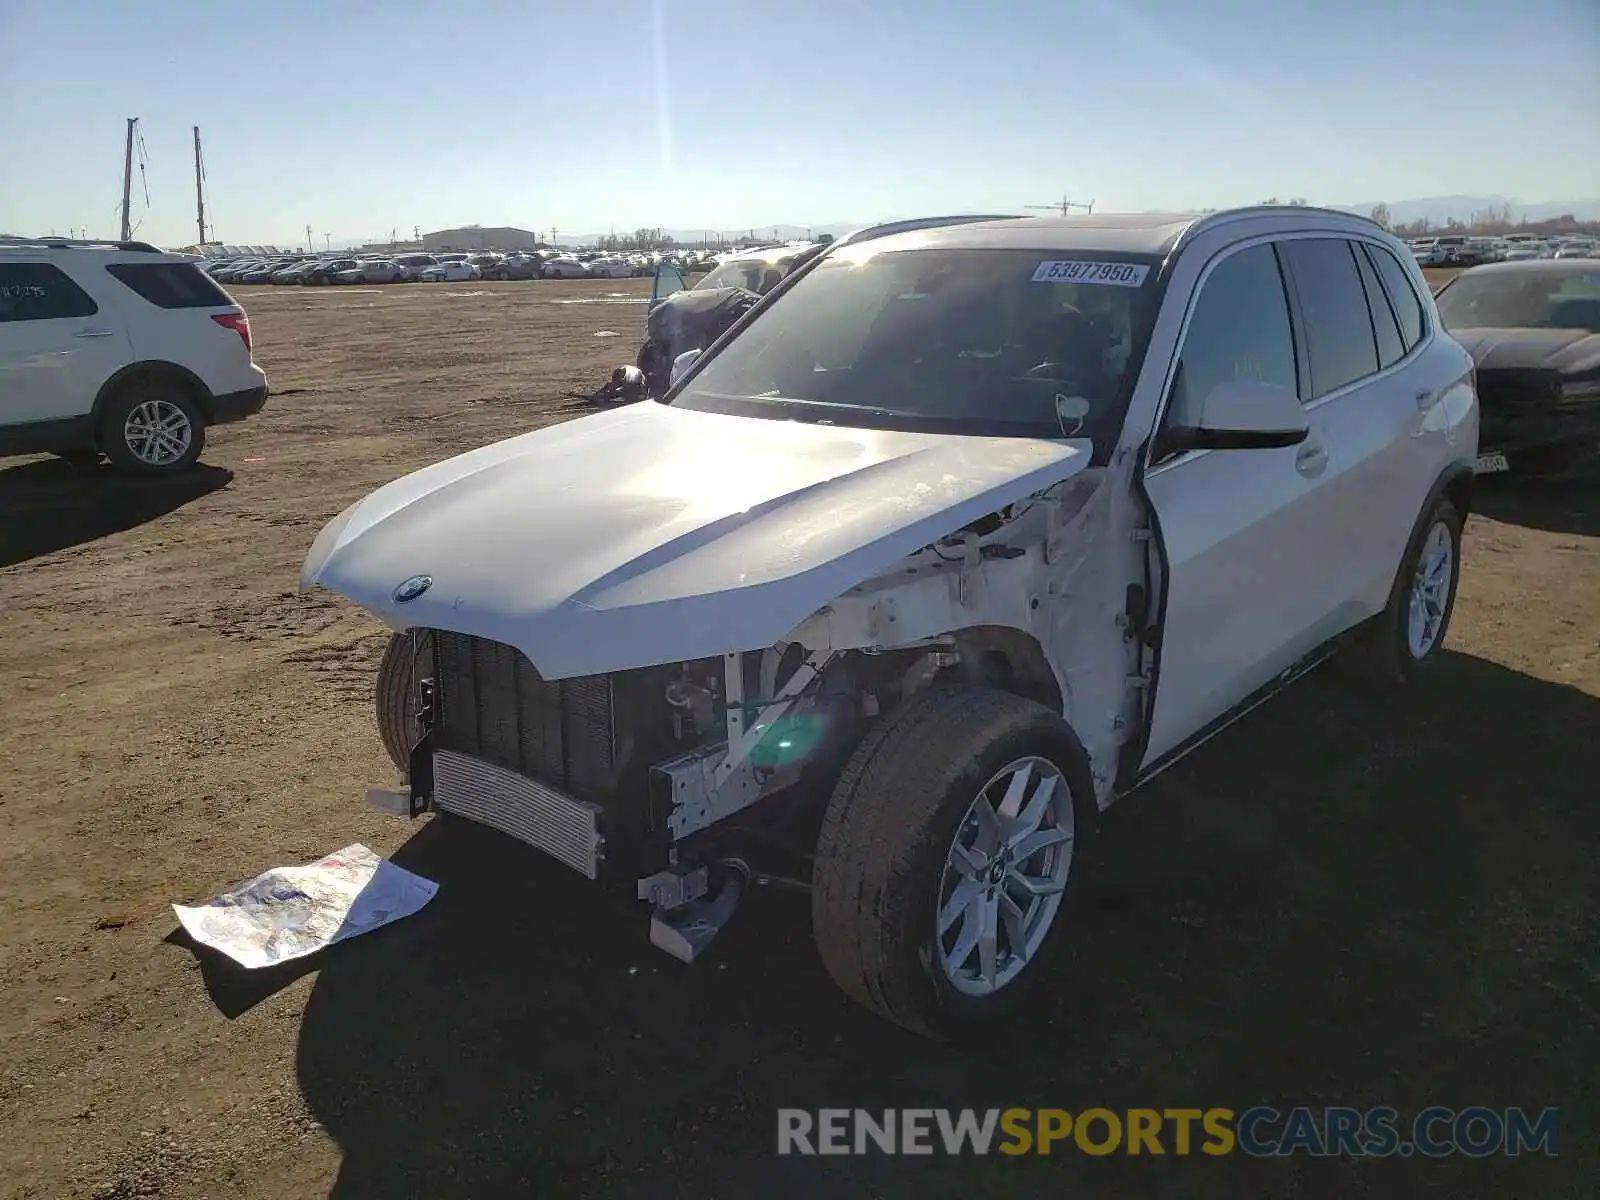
x=118, y=349
x=962, y=533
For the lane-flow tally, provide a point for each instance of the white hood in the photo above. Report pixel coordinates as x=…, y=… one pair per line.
x=654, y=534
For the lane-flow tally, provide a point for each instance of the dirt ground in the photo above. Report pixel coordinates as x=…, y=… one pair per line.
x=1338, y=901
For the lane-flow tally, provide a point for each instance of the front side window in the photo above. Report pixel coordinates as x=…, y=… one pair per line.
x=1239, y=330
x=1338, y=324
x=1002, y=342
x=40, y=292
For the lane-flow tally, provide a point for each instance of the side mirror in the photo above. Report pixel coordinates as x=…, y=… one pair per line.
x=681, y=364
x=1242, y=414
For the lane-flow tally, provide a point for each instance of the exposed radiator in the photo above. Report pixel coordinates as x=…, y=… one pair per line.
x=494, y=706
x=563, y=827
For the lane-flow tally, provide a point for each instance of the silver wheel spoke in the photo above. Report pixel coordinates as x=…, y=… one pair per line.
x=967, y=939
x=967, y=861
x=1035, y=885
x=988, y=819
x=962, y=900
x=1011, y=806
x=989, y=942
x=1027, y=846
x=1016, y=923
x=1028, y=820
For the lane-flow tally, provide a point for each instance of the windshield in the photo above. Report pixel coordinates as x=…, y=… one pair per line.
x=752, y=274
x=1021, y=343
x=1522, y=300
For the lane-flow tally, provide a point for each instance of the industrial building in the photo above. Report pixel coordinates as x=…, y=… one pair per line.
x=477, y=237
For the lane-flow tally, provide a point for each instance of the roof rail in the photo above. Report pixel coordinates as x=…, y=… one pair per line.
x=1207, y=220
x=884, y=228
x=58, y=243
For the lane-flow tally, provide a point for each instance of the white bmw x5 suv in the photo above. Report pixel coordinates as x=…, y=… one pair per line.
x=965, y=531
x=117, y=348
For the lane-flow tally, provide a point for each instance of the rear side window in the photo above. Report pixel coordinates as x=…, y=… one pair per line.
x=1402, y=294
x=1239, y=330
x=41, y=292
x=1338, y=329
x=1390, y=348
x=172, y=285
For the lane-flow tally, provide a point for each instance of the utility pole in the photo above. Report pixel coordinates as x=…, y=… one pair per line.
x=327, y=240
x=310, y=249
x=199, y=189
x=127, y=183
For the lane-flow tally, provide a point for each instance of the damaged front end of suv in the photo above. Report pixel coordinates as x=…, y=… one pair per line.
x=812, y=619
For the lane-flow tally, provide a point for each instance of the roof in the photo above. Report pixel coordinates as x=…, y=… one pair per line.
x=1154, y=233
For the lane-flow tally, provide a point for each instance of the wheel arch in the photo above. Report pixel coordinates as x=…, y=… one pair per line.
x=1010, y=660
x=151, y=369
x=1458, y=482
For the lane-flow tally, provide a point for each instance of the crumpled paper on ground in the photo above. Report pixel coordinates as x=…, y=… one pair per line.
x=289, y=912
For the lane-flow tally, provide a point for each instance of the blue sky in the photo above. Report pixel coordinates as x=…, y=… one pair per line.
x=361, y=117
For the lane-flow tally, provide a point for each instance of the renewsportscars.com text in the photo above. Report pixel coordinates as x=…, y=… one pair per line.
x=1260, y=1132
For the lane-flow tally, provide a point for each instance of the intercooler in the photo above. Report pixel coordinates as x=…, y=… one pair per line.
x=529, y=756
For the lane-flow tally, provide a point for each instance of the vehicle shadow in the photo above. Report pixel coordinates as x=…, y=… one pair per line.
x=51, y=505
x=1337, y=901
x=1570, y=505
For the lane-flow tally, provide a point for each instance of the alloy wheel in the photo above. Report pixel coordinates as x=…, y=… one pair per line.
x=1004, y=876
x=158, y=432
x=1430, y=590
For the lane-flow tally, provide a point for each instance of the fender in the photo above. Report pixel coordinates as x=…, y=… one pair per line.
x=202, y=393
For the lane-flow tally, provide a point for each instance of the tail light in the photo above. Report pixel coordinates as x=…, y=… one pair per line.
x=238, y=322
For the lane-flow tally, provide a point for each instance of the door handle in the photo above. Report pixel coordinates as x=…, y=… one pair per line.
x=1312, y=460
x=95, y=333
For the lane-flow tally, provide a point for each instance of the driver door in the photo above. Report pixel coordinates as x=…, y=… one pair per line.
x=668, y=280
x=1249, y=568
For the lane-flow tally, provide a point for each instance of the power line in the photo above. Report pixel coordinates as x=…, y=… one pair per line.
x=1065, y=207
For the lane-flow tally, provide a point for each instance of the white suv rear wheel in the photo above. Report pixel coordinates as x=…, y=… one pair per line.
x=153, y=428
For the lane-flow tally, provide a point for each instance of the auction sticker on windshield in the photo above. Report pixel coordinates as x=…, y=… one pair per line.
x=1116, y=274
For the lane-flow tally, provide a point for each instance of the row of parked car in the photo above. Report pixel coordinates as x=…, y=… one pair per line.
x=1461, y=250
x=446, y=268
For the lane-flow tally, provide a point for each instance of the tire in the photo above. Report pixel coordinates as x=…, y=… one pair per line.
x=152, y=402
x=882, y=859
x=395, y=698
x=1383, y=653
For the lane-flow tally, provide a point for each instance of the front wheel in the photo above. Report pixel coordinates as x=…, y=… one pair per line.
x=407, y=658
x=945, y=857
x=1402, y=641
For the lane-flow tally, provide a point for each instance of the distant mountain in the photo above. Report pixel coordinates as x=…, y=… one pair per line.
x=1439, y=209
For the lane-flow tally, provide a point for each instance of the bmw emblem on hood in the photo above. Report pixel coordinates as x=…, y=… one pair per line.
x=412, y=588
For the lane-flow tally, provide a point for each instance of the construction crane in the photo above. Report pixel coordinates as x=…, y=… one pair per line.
x=1065, y=207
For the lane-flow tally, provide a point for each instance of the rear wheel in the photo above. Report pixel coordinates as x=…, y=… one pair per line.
x=153, y=427
x=945, y=857
x=1400, y=643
